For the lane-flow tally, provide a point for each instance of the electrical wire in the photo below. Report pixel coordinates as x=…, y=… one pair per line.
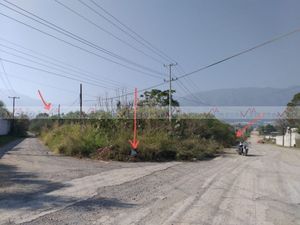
x=108, y=32
x=4, y=82
x=64, y=66
x=45, y=85
x=52, y=73
x=78, y=47
x=196, y=98
x=148, y=45
x=74, y=36
x=227, y=58
x=73, y=103
x=63, y=71
x=241, y=53
x=7, y=79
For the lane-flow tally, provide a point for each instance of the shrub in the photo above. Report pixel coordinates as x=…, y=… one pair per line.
x=108, y=139
x=20, y=126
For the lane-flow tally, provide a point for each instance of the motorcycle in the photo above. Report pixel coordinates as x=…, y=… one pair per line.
x=243, y=149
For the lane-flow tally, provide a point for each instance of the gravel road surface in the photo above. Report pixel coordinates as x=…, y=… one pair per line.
x=38, y=187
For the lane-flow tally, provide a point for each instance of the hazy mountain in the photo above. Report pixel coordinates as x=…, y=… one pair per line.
x=251, y=96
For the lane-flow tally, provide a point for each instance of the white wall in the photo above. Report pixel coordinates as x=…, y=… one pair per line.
x=288, y=139
x=4, y=126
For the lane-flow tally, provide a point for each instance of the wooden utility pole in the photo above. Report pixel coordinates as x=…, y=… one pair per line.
x=13, y=114
x=80, y=101
x=58, y=111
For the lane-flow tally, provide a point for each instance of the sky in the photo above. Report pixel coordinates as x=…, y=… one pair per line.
x=193, y=33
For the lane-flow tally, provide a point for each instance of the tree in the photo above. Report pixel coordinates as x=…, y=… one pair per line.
x=42, y=116
x=21, y=125
x=157, y=97
x=292, y=113
x=267, y=129
x=74, y=115
x=153, y=104
x=4, y=113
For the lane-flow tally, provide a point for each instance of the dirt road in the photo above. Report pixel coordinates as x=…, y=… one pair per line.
x=38, y=187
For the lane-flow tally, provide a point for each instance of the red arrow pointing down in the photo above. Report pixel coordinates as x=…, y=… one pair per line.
x=134, y=144
x=47, y=106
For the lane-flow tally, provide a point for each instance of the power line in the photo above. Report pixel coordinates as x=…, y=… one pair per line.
x=148, y=45
x=49, y=72
x=51, y=67
x=190, y=100
x=5, y=75
x=4, y=82
x=75, y=37
x=131, y=93
x=191, y=84
x=197, y=99
x=241, y=53
x=186, y=89
x=118, y=27
x=78, y=47
x=74, y=102
x=108, y=32
x=226, y=59
x=64, y=66
x=45, y=85
x=238, y=54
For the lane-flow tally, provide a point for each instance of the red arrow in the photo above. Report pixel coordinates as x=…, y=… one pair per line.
x=134, y=144
x=47, y=106
x=241, y=131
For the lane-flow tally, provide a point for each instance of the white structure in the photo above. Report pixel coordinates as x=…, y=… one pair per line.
x=289, y=138
x=4, y=127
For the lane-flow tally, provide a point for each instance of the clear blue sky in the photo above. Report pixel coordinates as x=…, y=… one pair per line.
x=193, y=32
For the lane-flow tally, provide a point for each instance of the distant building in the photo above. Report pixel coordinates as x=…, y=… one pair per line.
x=4, y=126
x=290, y=139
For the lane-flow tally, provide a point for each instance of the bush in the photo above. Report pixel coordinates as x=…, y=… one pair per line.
x=20, y=126
x=108, y=139
x=74, y=140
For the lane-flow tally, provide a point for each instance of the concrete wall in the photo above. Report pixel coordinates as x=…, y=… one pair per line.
x=4, y=127
x=298, y=143
x=289, y=140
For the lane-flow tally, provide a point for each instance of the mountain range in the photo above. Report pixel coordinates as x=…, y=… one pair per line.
x=250, y=96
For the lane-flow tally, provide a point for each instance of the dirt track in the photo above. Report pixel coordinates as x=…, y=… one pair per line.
x=40, y=188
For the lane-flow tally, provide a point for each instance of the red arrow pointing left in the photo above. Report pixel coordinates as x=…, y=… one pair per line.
x=47, y=106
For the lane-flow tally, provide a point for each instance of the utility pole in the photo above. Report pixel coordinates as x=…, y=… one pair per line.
x=80, y=100
x=58, y=111
x=170, y=88
x=13, y=114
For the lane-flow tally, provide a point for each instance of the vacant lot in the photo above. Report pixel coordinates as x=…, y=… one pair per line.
x=38, y=187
